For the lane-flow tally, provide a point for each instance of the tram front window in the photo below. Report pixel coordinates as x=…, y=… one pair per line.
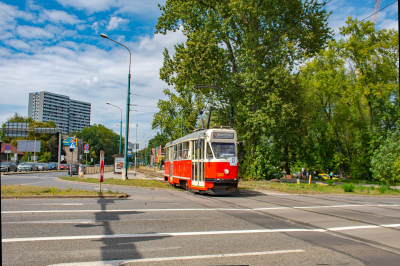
x=223, y=150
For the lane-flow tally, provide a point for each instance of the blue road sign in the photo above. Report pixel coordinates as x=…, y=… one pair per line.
x=8, y=147
x=129, y=153
x=86, y=146
x=72, y=145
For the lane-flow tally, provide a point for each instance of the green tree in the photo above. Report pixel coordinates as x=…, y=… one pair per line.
x=385, y=163
x=100, y=138
x=351, y=96
x=248, y=49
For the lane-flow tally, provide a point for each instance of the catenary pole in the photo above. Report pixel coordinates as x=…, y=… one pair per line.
x=127, y=109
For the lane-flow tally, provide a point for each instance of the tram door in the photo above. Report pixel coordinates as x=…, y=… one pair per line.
x=170, y=163
x=172, y=154
x=197, y=165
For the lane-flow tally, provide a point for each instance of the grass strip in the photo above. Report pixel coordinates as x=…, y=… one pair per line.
x=303, y=188
x=21, y=190
x=112, y=181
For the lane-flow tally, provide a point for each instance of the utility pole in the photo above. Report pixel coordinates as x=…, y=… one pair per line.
x=136, y=149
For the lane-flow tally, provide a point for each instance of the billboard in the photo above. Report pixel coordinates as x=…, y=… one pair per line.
x=29, y=145
x=118, y=164
x=16, y=129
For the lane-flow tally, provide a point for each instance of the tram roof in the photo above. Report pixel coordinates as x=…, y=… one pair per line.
x=193, y=135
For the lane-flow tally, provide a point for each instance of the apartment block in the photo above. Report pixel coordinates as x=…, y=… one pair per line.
x=69, y=115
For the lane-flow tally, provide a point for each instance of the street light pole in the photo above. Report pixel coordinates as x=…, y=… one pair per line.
x=136, y=148
x=127, y=108
x=120, y=134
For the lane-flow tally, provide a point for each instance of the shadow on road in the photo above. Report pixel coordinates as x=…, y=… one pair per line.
x=116, y=248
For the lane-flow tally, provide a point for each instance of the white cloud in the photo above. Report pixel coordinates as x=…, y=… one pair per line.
x=19, y=45
x=88, y=73
x=29, y=32
x=95, y=27
x=115, y=21
x=145, y=8
x=58, y=16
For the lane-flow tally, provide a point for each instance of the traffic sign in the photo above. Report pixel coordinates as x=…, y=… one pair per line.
x=86, y=147
x=86, y=151
x=129, y=154
x=72, y=145
x=7, y=149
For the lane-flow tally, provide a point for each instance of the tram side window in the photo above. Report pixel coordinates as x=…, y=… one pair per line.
x=167, y=154
x=175, y=153
x=195, y=150
x=185, y=148
x=179, y=151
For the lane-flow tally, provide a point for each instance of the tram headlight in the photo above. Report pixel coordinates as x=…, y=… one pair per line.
x=226, y=171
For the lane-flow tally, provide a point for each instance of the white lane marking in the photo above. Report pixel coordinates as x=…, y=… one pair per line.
x=143, y=235
x=198, y=209
x=129, y=210
x=96, y=221
x=63, y=204
x=120, y=262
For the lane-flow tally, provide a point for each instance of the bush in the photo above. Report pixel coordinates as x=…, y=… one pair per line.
x=349, y=187
x=383, y=188
x=330, y=182
x=386, y=160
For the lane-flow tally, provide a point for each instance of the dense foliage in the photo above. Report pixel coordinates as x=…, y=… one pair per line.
x=100, y=138
x=297, y=97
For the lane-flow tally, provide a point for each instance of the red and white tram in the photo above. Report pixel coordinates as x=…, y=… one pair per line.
x=204, y=161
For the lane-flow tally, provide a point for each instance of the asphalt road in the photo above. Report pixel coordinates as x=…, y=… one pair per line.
x=173, y=227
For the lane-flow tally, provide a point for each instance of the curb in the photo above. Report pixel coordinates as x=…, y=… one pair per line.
x=32, y=172
x=118, y=196
x=126, y=186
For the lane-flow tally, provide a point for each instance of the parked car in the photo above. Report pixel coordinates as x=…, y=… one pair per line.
x=64, y=166
x=326, y=176
x=53, y=166
x=75, y=168
x=8, y=167
x=24, y=167
x=34, y=166
x=43, y=167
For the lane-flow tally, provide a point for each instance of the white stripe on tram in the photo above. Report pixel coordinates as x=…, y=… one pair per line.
x=145, y=235
x=210, y=256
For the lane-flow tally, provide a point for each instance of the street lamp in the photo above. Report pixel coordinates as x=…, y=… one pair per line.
x=127, y=108
x=120, y=134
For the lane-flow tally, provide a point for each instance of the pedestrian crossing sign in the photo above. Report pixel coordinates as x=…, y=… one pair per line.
x=72, y=145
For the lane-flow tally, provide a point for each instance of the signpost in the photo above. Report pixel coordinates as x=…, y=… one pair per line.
x=101, y=168
x=7, y=150
x=72, y=147
x=86, y=150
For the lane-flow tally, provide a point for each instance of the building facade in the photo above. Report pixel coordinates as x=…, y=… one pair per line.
x=69, y=115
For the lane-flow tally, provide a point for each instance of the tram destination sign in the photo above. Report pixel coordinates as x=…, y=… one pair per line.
x=223, y=135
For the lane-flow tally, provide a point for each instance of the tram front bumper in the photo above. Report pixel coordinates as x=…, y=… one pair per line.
x=222, y=186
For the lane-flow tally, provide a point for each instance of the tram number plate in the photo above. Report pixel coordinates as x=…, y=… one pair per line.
x=233, y=161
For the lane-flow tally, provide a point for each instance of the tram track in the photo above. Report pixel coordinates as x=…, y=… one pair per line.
x=220, y=200
x=305, y=208
x=312, y=226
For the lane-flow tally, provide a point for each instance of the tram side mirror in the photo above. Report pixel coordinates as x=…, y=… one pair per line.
x=200, y=143
x=243, y=143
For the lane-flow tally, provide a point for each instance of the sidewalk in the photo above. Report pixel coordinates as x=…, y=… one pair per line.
x=117, y=175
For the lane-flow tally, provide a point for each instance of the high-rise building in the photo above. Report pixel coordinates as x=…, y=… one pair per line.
x=69, y=115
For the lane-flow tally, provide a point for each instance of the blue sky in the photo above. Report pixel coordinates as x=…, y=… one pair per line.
x=55, y=46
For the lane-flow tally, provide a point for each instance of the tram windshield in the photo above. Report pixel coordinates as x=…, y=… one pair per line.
x=223, y=150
